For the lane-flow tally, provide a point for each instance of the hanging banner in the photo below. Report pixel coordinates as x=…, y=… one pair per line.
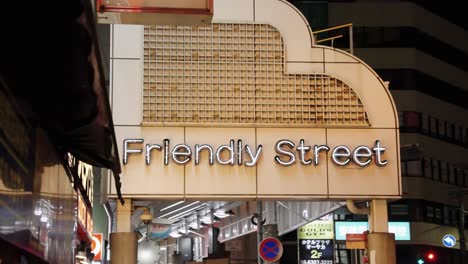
x=316, y=244
x=160, y=231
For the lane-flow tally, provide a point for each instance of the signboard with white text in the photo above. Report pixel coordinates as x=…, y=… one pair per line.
x=400, y=229
x=204, y=163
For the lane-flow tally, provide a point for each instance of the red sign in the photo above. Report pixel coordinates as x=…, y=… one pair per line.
x=96, y=246
x=356, y=237
x=356, y=241
x=270, y=249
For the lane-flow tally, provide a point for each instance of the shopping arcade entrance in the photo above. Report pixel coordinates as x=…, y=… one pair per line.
x=260, y=80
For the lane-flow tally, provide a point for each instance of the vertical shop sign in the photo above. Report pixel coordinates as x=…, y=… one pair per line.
x=316, y=244
x=96, y=246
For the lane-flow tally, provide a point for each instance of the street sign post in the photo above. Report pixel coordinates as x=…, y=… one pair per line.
x=270, y=249
x=449, y=240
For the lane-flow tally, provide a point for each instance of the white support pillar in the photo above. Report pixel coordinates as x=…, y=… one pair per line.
x=124, y=243
x=378, y=217
x=380, y=243
x=124, y=216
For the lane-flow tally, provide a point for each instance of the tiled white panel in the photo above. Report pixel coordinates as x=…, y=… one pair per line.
x=233, y=11
x=127, y=41
x=284, y=17
x=126, y=92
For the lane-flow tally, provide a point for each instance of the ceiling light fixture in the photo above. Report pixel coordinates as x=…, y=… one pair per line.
x=221, y=214
x=189, y=211
x=207, y=219
x=170, y=206
x=195, y=233
x=175, y=234
x=44, y=218
x=193, y=225
x=177, y=210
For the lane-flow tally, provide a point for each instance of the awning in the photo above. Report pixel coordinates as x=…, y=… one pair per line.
x=53, y=67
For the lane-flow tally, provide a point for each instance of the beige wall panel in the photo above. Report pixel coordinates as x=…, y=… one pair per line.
x=304, y=67
x=297, y=179
x=351, y=180
x=284, y=17
x=127, y=42
x=127, y=91
x=365, y=83
x=154, y=179
x=337, y=55
x=226, y=11
x=219, y=179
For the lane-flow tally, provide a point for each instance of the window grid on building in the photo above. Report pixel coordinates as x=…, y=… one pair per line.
x=233, y=74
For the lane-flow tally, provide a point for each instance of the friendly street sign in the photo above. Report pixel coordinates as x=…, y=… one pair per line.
x=449, y=240
x=270, y=249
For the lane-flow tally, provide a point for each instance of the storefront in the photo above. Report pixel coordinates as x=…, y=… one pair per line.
x=46, y=116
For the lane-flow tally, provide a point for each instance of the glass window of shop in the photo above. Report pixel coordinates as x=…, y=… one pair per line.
x=37, y=200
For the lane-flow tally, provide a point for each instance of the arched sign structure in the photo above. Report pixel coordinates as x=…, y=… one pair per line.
x=250, y=107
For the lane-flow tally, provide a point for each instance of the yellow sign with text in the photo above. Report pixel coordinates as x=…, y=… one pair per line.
x=319, y=229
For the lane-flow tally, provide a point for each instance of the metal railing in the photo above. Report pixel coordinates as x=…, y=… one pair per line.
x=288, y=215
x=332, y=39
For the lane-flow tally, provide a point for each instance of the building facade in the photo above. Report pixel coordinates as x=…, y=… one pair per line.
x=420, y=48
x=199, y=109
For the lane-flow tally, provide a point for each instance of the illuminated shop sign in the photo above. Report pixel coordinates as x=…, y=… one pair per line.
x=238, y=153
x=264, y=163
x=316, y=241
x=400, y=229
x=84, y=172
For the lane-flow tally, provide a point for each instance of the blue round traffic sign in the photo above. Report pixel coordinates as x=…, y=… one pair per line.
x=270, y=249
x=449, y=240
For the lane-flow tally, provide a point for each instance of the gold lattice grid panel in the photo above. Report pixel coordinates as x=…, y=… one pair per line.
x=233, y=74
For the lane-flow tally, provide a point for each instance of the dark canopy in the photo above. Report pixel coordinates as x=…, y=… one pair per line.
x=49, y=59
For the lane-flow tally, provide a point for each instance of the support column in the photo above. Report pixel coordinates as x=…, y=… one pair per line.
x=380, y=243
x=259, y=227
x=124, y=248
x=124, y=216
x=124, y=243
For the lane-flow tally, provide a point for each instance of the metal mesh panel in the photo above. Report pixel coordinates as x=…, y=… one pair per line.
x=233, y=74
